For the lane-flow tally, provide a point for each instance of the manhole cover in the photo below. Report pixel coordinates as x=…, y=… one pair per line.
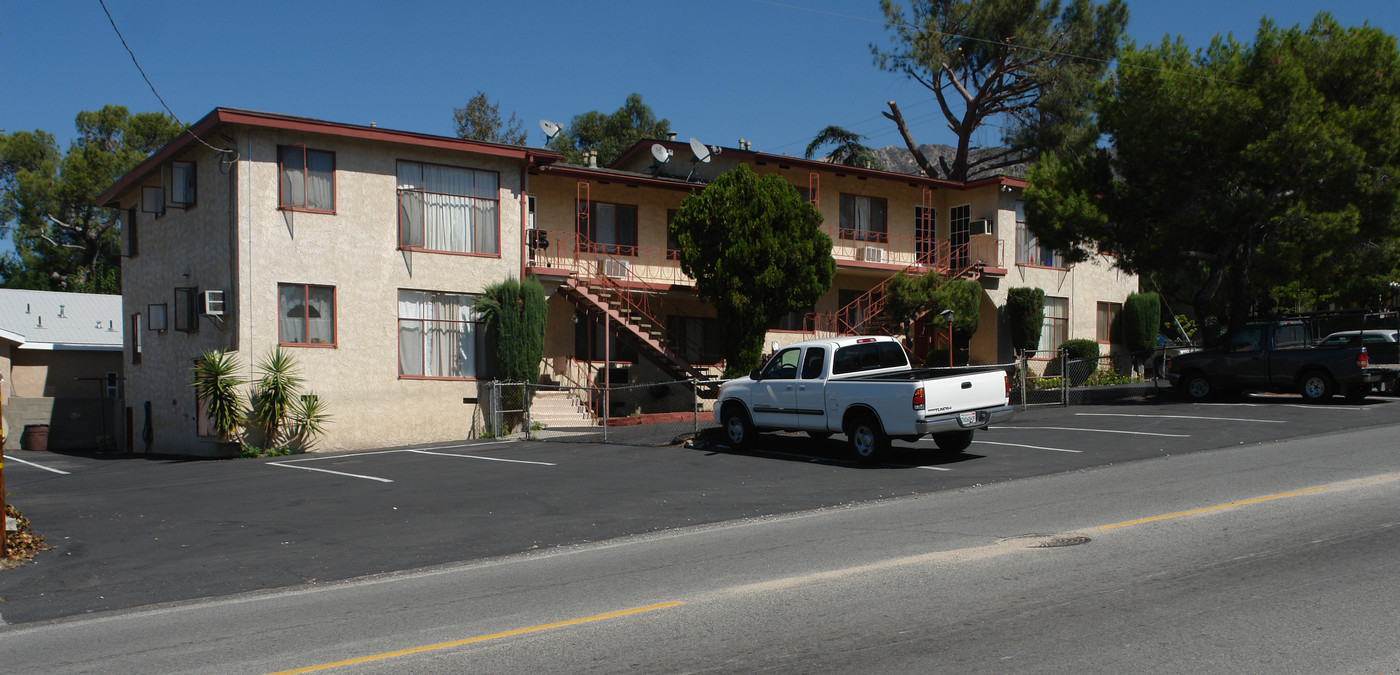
x=1060, y=542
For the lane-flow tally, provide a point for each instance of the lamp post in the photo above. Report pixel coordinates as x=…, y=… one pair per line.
x=1395, y=303
x=947, y=315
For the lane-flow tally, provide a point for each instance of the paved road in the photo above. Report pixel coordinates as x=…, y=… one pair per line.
x=131, y=532
x=1264, y=558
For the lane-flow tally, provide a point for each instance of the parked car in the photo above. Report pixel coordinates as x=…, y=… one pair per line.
x=1276, y=357
x=1166, y=350
x=864, y=388
x=1382, y=347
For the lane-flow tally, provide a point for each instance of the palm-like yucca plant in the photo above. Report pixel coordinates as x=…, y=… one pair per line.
x=216, y=385
x=275, y=396
x=309, y=418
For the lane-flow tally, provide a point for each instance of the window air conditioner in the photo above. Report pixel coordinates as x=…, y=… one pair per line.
x=980, y=227
x=616, y=268
x=213, y=303
x=873, y=254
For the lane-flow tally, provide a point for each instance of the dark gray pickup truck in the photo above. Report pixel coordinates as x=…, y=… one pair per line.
x=1274, y=357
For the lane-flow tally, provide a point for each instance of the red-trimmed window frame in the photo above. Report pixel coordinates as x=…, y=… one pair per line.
x=481, y=325
x=306, y=329
x=305, y=175
x=871, y=236
x=424, y=249
x=592, y=246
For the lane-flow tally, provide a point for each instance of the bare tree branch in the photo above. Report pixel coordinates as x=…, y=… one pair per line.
x=919, y=157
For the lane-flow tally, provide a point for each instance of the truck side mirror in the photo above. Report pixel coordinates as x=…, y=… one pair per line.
x=753, y=375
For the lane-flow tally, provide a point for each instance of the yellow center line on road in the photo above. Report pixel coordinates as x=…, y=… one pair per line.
x=479, y=638
x=1212, y=508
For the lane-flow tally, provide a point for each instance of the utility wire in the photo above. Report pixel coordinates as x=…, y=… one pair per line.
x=152, y=86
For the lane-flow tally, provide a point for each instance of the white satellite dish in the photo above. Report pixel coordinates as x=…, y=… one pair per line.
x=660, y=152
x=550, y=130
x=702, y=153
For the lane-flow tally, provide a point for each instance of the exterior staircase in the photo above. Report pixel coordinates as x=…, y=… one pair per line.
x=559, y=409
x=866, y=309
x=629, y=321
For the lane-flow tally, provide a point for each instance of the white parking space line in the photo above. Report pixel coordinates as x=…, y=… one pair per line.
x=489, y=459
x=36, y=465
x=1033, y=447
x=1305, y=406
x=1185, y=417
x=288, y=463
x=338, y=473
x=1099, y=431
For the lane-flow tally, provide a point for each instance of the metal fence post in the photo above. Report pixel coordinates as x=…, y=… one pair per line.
x=695, y=405
x=525, y=397
x=1064, y=377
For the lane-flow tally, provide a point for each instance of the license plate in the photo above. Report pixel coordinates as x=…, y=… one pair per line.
x=967, y=419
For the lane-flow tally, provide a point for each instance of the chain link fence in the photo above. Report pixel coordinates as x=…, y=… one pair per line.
x=1057, y=379
x=660, y=413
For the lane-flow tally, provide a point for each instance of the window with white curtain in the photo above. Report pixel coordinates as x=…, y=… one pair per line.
x=863, y=218
x=306, y=315
x=448, y=208
x=1028, y=248
x=1055, y=330
x=307, y=178
x=441, y=335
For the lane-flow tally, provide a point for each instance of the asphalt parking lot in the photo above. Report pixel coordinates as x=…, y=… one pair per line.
x=131, y=531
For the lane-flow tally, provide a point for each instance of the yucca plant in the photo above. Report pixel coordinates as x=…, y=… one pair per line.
x=309, y=419
x=216, y=385
x=275, y=396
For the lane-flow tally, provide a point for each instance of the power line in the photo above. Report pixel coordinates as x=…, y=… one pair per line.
x=148, y=81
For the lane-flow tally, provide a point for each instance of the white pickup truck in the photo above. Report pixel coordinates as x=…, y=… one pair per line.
x=865, y=388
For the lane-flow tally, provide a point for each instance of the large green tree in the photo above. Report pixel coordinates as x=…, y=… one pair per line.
x=609, y=134
x=1026, y=67
x=480, y=120
x=1241, y=170
x=64, y=240
x=756, y=252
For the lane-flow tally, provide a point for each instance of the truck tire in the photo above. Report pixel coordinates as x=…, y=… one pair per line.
x=953, y=441
x=1315, y=386
x=1196, y=387
x=737, y=428
x=867, y=439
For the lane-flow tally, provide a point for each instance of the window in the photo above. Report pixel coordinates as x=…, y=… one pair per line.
x=129, y=233
x=187, y=310
x=673, y=245
x=812, y=363
x=925, y=239
x=1055, y=330
x=1110, y=323
x=308, y=179
x=136, y=337
x=863, y=218
x=182, y=184
x=158, y=321
x=610, y=228
x=960, y=234
x=1028, y=248
x=868, y=356
x=448, y=208
x=306, y=315
x=440, y=335
x=153, y=200
x=783, y=366
x=794, y=320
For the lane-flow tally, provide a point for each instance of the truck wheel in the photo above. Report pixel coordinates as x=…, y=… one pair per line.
x=867, y=439
x=1315, y=386
x=1196, y=387
x=953, y=441
x=737, y=429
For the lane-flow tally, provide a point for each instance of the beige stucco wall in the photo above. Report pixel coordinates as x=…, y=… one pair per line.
x=236, y=239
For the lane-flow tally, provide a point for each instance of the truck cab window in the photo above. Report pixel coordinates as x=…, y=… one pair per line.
x=812, y=363
x=783, y=366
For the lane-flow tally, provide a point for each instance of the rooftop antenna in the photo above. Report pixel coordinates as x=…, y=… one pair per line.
x=550, y=130
x=700, y=154
x=661, y=154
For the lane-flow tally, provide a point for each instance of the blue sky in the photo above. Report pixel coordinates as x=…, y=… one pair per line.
x=771, y=72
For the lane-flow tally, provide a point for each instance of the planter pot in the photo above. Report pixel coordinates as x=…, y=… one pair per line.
x=35, y=437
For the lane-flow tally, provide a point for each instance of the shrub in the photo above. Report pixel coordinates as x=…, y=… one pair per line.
x=1142, y=312
x=1025, y=315
x=1080, y=348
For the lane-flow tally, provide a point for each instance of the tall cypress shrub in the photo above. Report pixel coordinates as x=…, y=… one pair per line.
x=1025, y=316
x=515, y=312
x=1142, y=313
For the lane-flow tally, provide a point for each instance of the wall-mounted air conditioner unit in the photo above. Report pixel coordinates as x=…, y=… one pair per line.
x=617, y=269
x=873, y=254
x=980, y=227
x=212, y=303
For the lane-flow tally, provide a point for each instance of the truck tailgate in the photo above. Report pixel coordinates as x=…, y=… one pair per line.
x=965, y=391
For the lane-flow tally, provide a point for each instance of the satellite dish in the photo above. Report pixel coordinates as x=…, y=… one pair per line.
x=702, y=153
x=550, y=130
x=660, y=152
